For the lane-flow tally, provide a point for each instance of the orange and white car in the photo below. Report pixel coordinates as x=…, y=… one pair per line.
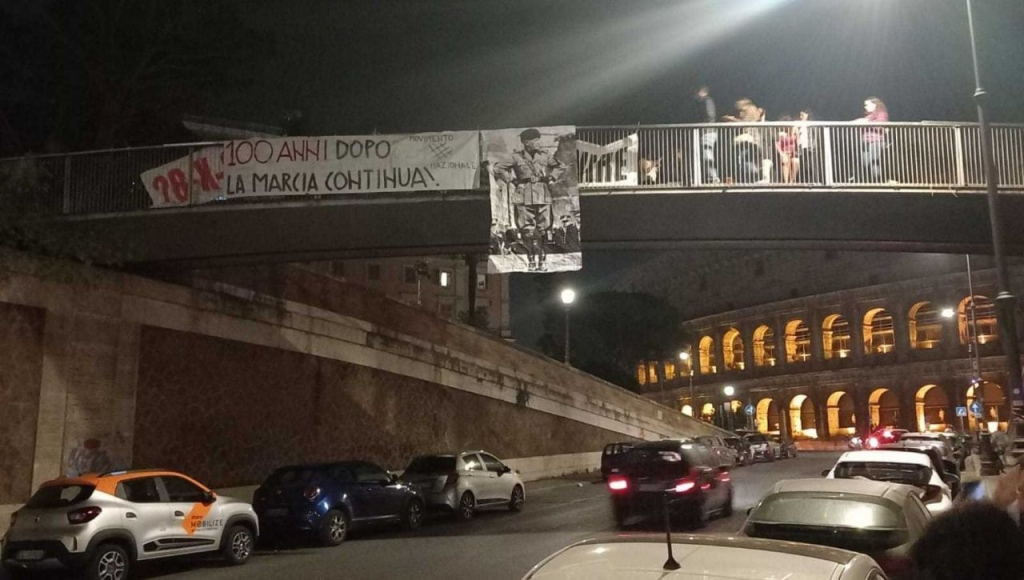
x=101, y=524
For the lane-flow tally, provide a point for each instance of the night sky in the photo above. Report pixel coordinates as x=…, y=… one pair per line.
x=418, y=65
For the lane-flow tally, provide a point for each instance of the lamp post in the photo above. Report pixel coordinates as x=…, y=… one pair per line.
x=1005, y=300
x=728, y=391
x=568, y=297
x=685, y=357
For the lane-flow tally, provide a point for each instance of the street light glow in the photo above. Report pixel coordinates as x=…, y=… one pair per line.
x=729, y=390
x=568, y=296
x=684, y=356
x=948, y=313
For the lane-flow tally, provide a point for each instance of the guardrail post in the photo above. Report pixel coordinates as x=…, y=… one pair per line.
x=698, y=159
x=829, y=173
x=66, y=198
x=961, y=173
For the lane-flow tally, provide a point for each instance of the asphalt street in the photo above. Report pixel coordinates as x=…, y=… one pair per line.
x=496, y=545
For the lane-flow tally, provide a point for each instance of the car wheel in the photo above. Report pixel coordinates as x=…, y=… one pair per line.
x=334, y=528
x=237, y=545
x=700, y=516
x=413, y=516
x=620, y=514
x=516, y=503
x=108, y=562
x=467, y=507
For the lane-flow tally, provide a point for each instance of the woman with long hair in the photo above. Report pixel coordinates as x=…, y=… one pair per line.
x=873, y=139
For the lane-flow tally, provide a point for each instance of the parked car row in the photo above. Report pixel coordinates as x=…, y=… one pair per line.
x=100, y=525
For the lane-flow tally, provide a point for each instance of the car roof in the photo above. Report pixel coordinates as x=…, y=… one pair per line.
x=935, y=436
x=107, y=482
x=888, y=490
x=704, y=557
x=664, y=444
x=887, y=456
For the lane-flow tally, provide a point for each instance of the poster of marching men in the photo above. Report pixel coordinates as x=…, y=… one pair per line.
x=535, y=204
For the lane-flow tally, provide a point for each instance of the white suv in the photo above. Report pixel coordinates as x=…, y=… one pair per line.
x=465, y=481
x=100, y=525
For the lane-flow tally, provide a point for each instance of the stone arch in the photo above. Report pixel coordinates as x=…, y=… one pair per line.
x=764, y=346
x=879, y=336
x=766, y=416
x=841, y=417
x=802, y=417
x=732, y=350
x=985, y=314
x=708, y=365
x=798, y=341
x=994, y=401
x=884, y=408
x=707, y=412
x=925, y=326
x=931, y=406
x=835, y=336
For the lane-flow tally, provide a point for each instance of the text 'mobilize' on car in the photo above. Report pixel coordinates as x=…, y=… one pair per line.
x=465, y=481
x=327, y=500
x=100, y=525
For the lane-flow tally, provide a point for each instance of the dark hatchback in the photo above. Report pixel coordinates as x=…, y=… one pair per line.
x=328, y=500
x=683, y=474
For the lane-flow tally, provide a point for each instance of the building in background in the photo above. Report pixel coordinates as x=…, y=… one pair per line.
x=438, y=284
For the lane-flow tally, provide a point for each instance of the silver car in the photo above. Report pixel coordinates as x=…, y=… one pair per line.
x=465, y=481
x=727, y=456
x=100, y=525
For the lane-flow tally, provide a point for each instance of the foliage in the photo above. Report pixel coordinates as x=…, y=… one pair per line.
x=611, y=332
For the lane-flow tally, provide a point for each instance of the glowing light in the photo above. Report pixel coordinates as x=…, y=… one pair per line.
x=729, y=390
x=618, y=484
x=948, y=313
x=873, y=442
x=684, y=356
x=568, y=296
x=684, y=486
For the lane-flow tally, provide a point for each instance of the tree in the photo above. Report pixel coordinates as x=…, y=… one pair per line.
x=611, y=332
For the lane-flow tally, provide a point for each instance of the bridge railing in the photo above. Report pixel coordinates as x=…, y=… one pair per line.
x=891, y=156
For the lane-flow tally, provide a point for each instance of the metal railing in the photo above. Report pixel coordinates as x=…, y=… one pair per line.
x=890, y=156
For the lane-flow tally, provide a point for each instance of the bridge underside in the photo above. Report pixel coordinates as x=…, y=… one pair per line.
x=420, y=225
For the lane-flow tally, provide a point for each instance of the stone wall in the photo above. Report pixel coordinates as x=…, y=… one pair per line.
x=21, y=362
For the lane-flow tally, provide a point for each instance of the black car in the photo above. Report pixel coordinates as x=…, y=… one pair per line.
x=742, y=449
x=327, y=500
x=611, y=458
x=787, y=448
x=683, y=473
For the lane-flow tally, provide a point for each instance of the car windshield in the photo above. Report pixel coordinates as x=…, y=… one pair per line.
x=58, y=496
x=908, y=473
x=432, y=464
x=859, y=523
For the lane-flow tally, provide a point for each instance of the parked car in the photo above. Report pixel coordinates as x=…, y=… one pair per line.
x=742, y=449
x=327, y=500
x=762, y=448
x=880, y=519
x=642, y=557
x=101, y=525
x=611, y=457
x=933, y=439
x=787, y=448
x=726, y=455
x=947, y=469
x=681, y=471
x=466, y=481
x=905, y=467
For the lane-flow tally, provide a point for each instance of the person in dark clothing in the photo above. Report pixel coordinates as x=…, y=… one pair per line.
x=978, y=541
x=706, y=113
x=873, y=138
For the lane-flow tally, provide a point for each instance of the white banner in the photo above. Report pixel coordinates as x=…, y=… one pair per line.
x=168, y=185
x=358, y=164
x=614, y=164
x=535, y=204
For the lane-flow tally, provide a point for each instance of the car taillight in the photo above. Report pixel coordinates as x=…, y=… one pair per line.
x=685, y=485
x=618, y=483
x=83, y=515
x=724, y=477
x=311, y=493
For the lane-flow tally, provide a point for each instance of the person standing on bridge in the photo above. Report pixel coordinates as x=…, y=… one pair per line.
x=873, y=138
x=706, y=113
x=750, y=143
x=531, y=171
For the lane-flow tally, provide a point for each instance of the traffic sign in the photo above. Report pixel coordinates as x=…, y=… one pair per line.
x=749, y=409
x=976, y=408
x=961, y=411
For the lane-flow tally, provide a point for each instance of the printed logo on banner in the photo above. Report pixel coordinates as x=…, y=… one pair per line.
x=168, y=184
x=535, y=206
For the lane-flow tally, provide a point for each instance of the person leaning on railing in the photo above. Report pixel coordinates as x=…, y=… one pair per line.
x=873, y=138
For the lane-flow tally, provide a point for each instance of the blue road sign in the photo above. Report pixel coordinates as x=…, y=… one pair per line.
x=976, y=408
x=961, y=411
x=750, y=409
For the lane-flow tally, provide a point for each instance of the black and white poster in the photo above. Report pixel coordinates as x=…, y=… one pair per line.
x=535, y=203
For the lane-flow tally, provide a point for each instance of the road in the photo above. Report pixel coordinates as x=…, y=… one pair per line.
x=497, y=545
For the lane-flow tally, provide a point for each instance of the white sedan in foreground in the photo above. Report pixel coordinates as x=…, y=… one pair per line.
x=703, y=557
x=896, y=467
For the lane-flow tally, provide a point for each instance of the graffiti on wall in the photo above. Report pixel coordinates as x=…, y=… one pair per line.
x=89, y=457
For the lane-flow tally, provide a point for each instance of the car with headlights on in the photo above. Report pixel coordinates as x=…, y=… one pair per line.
x=99, y=525
x=327, y=500
x=465, y=481
x=904, y=467
x=702, y=557
x=880, y=519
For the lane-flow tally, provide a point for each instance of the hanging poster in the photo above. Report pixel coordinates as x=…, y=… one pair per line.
x=535, y=204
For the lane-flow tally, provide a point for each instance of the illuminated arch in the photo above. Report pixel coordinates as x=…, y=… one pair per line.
x=764, y=346
x=687, y=410
x=985, y=314
x=884, y=408
x=766, y=416
x=707, y=412
x=930, y=408
x=925, y=326
x=708, y=366
x=994, y=400
x=732, y=350
x=802, y=417
x=841, y=419
x=835, y=336
x=798, y=341
x=879, y=337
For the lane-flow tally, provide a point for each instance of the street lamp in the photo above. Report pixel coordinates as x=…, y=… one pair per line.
x=1005, y=300
x=685, y=357
x=728, y=391
x=948, y=313
x=568, y=297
